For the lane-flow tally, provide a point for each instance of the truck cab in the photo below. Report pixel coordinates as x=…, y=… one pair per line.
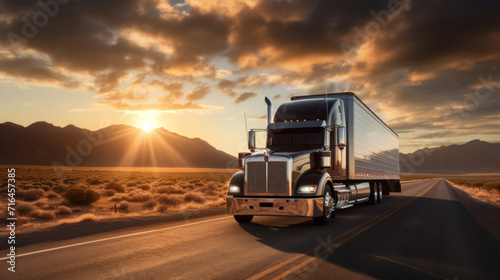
x=302, y=168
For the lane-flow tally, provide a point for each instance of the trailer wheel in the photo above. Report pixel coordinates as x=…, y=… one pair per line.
x=328, y=209
x=372, y=199
x=379, y=193
x=243, y=219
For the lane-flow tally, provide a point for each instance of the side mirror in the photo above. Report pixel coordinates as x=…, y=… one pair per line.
x=341, y=137
x=251, y=140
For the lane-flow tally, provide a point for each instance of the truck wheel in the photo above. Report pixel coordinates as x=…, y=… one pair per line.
x=328, y=212
x=373, y=194
x=243, y=219
x=379, y=193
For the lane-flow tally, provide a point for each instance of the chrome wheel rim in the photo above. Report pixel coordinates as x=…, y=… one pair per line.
x=329, y=204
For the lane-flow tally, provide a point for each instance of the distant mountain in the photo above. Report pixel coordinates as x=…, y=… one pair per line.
x=473, y=157
x=42, y=143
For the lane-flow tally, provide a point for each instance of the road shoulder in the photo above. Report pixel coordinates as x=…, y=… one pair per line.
x=486, y=215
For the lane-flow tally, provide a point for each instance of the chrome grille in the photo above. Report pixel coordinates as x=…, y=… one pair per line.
x=278, y=170
x=278, y=181
x=256, y=177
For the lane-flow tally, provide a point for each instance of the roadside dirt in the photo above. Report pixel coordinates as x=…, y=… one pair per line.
x=484, y=209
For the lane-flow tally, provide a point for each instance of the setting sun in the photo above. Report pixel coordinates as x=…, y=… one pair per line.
x=147, y=125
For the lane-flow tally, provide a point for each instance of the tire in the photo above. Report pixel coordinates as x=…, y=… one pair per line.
x=243, y=219
x=373, y=194
x=328, y=213
x=379, y=193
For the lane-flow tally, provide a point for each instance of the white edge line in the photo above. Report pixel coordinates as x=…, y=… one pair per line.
x=114, y=237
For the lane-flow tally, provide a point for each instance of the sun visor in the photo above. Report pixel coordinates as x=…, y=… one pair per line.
x=297, y=124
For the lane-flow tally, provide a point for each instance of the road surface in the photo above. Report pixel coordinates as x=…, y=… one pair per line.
x=422, y=233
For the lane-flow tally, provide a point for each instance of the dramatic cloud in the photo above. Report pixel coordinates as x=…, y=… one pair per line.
x=417, y=64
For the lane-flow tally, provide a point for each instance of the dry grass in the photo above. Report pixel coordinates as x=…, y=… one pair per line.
x=64, y=210
x=150, y=203
x=43, y=214
x=24, y=208
x=193, y=197
x=167, y=199
x=124, y=206
x=33, y=194
x=170, y=189
x=115, y=186
x=45, y=195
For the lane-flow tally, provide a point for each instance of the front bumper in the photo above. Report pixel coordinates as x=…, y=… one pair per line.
x=302, y=207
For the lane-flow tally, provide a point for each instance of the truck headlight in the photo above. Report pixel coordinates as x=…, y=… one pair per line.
x=234, y=189
x=307, y=189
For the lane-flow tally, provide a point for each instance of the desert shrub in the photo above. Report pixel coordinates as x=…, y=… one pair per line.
x=118, y=198
x=24, y=208
x=167, y=199
x=168, y=183
x=43, y=214
x=492, y=185
x=51, y=195
x=139, y=196
x=32, y=195
x=149, y=204
x=162, y=208
x=64, y=210
x=124, y=205
x=193, y=197
x=131, y=184
x=45, y=188
x=49, y=183
x=40, y=204
x=69, y=181
x=109, y=192
x=76, y=209
x=194, y=181
x=115, y=186
x=170, y=189
x=59, y=188
x=94, y=181
x=144, y=187
x=81, y=195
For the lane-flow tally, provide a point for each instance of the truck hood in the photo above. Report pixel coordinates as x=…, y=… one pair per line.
x=300, y=160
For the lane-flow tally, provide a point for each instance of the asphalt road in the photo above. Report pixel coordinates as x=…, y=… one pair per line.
x=422, y=233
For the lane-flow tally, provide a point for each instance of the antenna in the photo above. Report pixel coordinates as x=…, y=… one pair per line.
x=326, y=102
x=246, y=128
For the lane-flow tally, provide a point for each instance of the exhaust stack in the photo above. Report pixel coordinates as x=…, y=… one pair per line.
x=269, y=110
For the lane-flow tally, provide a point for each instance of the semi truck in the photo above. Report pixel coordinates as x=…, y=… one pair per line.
x=320, y=153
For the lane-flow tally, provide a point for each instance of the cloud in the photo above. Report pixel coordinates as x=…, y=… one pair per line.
x=37, y=71
x=227, y=87
x=245, y=96
x=110, y=81
x=420, y=66
x=198, y=94
x=258, y=117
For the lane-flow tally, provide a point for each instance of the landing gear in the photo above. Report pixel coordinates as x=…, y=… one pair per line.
x=328, y=209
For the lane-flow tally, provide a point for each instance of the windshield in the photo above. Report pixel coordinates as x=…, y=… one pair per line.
x=296, y=136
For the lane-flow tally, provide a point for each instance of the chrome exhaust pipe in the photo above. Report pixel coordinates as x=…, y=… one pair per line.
x=269, y=110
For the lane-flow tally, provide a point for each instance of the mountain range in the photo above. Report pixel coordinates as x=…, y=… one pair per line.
x=472, y=157
x=42, y=143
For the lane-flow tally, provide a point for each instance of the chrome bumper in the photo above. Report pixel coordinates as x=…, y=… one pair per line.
x=302, y=207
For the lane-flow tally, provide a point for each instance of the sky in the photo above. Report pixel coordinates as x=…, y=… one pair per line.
x=429, y=69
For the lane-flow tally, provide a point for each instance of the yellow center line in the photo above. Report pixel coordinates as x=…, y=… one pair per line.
x=380, y=218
